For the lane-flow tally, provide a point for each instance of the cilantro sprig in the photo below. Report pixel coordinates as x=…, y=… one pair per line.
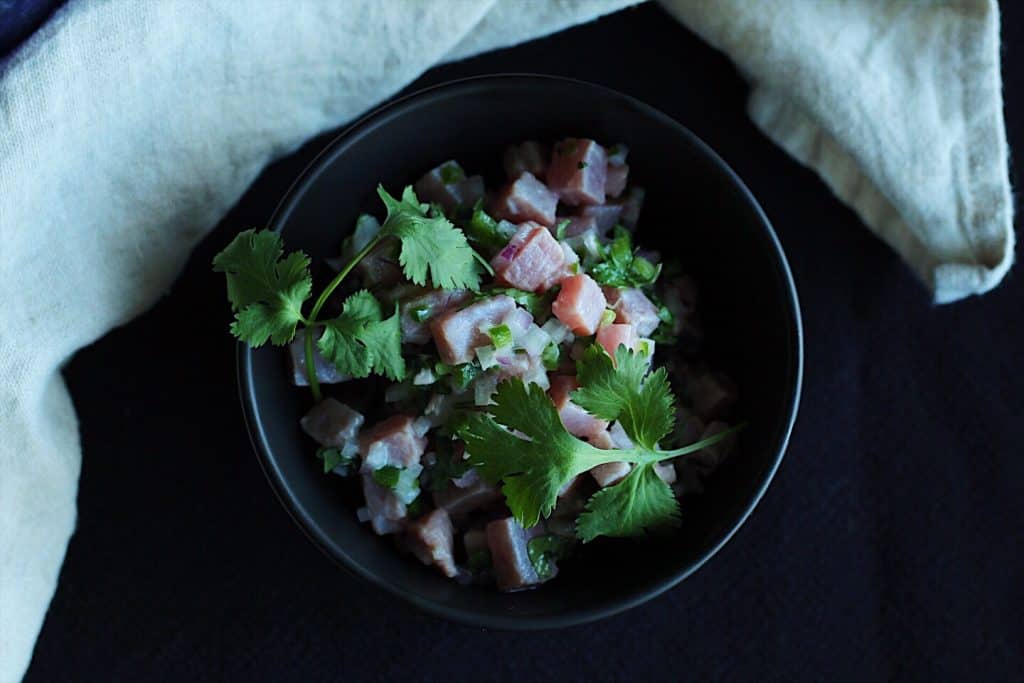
x=521, y=442
x=621, y=266
x=268, y=289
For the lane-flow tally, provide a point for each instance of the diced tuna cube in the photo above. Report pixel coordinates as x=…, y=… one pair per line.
x=605, y=216
x=631, y=205
x=666, y=472
x=457, y=333
x=615, y=179
x=533, y=260
x=448, y=186
x=393, y=442
x=580, y=304
x=602, y=440
x=507, y=542
x=475, y=541
x=610, y=473
x=332, y=423
x=431, y=541
x=526, y=199
x=418, y=309
x=579, y=225
x=385, y=512
x=615, y=335
x=713, y=394
x=380, y=268
x=577, y=421
x=617, y=154
x=708, y=459
x=460, y=500
x=620, y=439
x=529, y=157
x=577, y=171
x=326, y=371
x=632, y=306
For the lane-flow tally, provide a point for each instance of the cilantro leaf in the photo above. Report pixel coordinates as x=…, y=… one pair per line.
x=622, y=390
x=539, y=305
x=266, y=291
x=534, y=467
x=621, y=267
x=359, y=341
x=431, y=245
x=639, y=502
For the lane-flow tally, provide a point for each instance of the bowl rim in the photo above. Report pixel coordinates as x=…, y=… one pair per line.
x=334, y=550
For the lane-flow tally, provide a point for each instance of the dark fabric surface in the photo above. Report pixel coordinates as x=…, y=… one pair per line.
x=19, y=18
x=888, y=547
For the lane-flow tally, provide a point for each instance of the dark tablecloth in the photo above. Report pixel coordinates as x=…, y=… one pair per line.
x=888, y=547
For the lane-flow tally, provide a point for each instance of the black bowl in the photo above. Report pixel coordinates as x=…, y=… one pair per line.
x=697, y=210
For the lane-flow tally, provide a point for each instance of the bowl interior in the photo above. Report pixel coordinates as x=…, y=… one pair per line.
x=696, y=210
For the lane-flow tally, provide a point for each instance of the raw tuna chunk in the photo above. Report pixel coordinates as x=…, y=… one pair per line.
x=632, y=306
x=579, y=225
x=431, y=541
x=391, y=442
x=526, y=199
x=418, y=309
x=332, y=423
x=459, y=500
x=529, y=157
x=605, y=216
x=577, y=171
x=577, y=421
x=326, y=372
x=457, y=333
x=580, y=304
x=712, y=394
x=380, y=268
x=385, y=512
x=509, y=555
x=610, y=473
x=617, y=154
x=448, y=186
x=533, y=260
x=616, y=334
x=631, y=205
x=666, y=472
x=616, y=177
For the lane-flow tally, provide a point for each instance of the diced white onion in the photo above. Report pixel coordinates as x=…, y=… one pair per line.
x=571, y=258
x=537, y=375
x=424, y=377
x=591, y=244
x=556, y=331
x=367, y=228
x=408, y=486
x=363, y=514
x=485, y=354
x=483, y=388
x=535, y=341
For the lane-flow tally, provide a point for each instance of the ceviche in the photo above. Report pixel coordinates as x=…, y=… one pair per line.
x=503, y=374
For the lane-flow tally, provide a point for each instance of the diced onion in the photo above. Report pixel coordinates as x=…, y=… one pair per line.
x=363, y=514
x=424, y=377
x=485, y=354
x=483, y=389
x=555, y=330
x=535, y=341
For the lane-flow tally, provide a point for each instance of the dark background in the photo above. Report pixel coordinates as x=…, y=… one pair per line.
x=888, y=547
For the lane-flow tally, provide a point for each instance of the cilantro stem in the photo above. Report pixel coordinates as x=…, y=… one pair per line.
x=310, y=321
x=703, y=443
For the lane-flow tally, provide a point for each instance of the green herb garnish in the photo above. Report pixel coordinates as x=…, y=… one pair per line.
x=501, y=336
x=545, y=551
x=452, y=173
x=333, y=458
x=621, y=267
x=535, y=466
x=560, y=229
x=267, y=289
x=387, y=476
x=551, y=356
